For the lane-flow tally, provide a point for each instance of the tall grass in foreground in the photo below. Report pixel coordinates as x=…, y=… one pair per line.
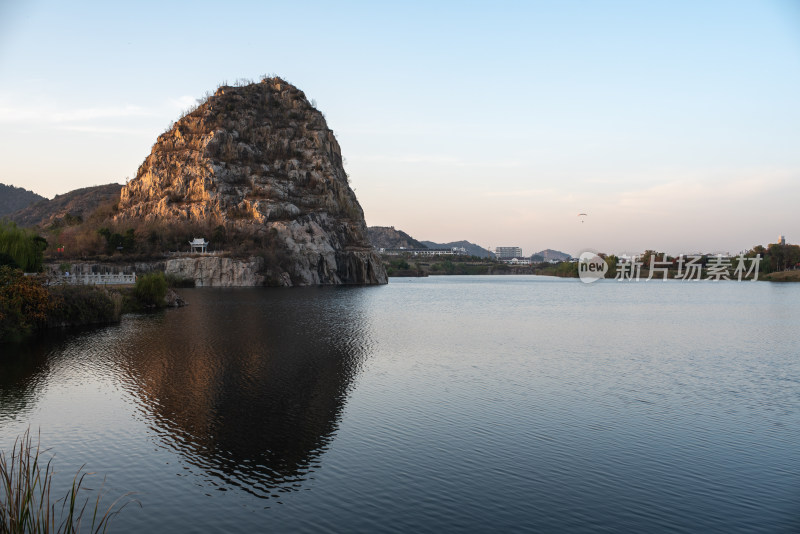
x=25, y=503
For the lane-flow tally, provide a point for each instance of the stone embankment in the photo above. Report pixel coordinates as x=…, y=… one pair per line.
x=220, y=271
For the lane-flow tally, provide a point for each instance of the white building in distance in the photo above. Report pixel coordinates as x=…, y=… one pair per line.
x=507, y=253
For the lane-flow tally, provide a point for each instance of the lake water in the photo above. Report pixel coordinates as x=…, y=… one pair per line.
x=432, y=405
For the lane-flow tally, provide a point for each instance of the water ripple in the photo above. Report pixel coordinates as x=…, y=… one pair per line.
x=454, y=404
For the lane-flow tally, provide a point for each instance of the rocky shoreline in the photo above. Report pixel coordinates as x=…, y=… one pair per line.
x=223, y=271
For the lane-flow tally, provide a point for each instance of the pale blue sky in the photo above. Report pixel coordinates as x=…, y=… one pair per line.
x=675, y=125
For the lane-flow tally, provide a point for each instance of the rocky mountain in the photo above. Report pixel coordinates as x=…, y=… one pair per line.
x=550, y=255
x=472, y=248
x=260, y=161
x=15, y=198
x=67, y=208
x=389, y=237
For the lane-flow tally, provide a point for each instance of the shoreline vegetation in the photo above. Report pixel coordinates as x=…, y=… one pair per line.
x=779, y=263
x=29, y=304
x=782, y=276
x=30, y=301
x=26, y=501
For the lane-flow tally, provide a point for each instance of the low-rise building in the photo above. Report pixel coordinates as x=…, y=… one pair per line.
x=419, y=251
x=507, y=253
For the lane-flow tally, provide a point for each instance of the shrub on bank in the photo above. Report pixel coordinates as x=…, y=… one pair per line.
x=24, y=304
x=82, y=305
x=27, y=304
x=151, y=289
x=397, y=265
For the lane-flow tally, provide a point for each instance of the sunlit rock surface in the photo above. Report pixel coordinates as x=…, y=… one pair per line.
x=260, y=160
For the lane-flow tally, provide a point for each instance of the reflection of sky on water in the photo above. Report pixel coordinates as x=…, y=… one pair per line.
x=460, y=403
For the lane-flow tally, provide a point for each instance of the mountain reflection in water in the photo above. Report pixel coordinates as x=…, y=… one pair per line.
x=432, y=405
x=250, y=389
x=23, y=371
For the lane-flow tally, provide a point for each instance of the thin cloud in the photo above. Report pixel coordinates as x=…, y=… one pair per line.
x=437, y=159
x=106, y=130
x=183, y=102
x=693, y=193
x=411, y=158
x=523, y=193
x=89, y=114
x=49, y=115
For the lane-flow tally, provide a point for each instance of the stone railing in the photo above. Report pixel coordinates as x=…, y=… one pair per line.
x=98, y=279
x=182, y=254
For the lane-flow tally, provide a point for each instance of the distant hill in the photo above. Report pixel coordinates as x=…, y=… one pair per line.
x=75, y=204
x=472, y=248
x=15, y=198
x=550, y=254
x=389, y=237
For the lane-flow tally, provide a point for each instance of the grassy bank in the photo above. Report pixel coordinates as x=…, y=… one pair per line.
x=782, y=276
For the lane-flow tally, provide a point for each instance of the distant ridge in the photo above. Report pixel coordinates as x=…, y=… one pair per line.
x=550, y=255
x=471, y=248
x=75, y=204
x=389, y=237
x=15, y=198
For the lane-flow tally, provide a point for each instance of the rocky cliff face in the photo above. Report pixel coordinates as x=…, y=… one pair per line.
x=211, y=271
x=259, y=160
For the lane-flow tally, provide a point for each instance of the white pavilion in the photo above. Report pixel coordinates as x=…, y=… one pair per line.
x=199, y=244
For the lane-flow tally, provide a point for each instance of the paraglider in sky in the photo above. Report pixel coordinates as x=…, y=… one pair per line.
x=582, y=216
